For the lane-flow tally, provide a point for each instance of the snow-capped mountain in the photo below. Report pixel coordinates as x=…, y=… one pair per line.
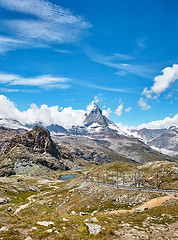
x=162, y=140
x=147, y=135
x=13, y=124
x=96, y=124
x=103, y=131
x=166, y=140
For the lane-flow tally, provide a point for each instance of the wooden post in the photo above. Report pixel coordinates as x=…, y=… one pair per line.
x=123, y=179
x=107, y=177
x=117, y=179
x=135, y=179
x=112, y=178
x=98, y=179
x=157, y=181
x=138, y=178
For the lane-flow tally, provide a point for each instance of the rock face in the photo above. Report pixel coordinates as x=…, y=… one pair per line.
x=38, y=141
x=167, y=140
x=33, y=153
x=96, y=116
x=148, y=134
x=6, y=135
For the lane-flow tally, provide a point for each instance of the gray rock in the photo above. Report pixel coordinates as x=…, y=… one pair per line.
x=9, y=209
x=34, y=189
x=4, y=229
x=93, y=228
x=93, y=219
x=82, y=213
x=4, y=200
x=73, y=213
x=28, y=238
x=45, y=223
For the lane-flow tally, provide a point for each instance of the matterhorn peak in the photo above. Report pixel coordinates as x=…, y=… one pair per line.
x=92, y=107
x=94, y=115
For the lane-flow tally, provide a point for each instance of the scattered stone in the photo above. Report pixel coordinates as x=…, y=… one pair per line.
x=4, y=200
x=93, y=219
x=45, y=223
x=28, y=238
x=82, y=213
x=64, y=228
x=4, y=229
x=49, y=230
x=94, y=212
x=138, y=210
x=65, y=219
x=34, y=189
x=9, y=209
x=73, y=213
x=34, y=228
x=56, y=231
x=93, y=228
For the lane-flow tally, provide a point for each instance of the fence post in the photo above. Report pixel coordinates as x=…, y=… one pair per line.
x=138, y=178
x=107, y=177
x=135, y=179
x=98, y=178
x=123, y=179
x=117, y=179
x=157, y=181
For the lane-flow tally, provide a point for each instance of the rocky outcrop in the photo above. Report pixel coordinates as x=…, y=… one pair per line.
x=6, y=134
x=34, y=152
x=38, y=140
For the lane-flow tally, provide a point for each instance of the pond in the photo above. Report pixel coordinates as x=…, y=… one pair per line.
x=67, y=177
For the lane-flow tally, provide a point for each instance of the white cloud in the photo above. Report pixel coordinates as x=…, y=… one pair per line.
x=91, y=106
x=107, y=112
x=162, y=82
x=121, y=62
x=43, y=9
x=141, y=42
x=128, y=109
x=6, y=78
x=98, y=98
x=125, y=90
x=118, y=111
x=165, y=123
x=66, y=117
x=143, y=105
x=46, y=81
x=52, y=24
x=7, y=43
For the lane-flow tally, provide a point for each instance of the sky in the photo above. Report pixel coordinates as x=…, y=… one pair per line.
x=58, y=56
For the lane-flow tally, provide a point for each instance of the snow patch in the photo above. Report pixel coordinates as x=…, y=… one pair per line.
x=165, y=151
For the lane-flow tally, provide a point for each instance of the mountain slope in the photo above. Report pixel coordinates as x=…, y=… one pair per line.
x=147, y=135
x=167, y=140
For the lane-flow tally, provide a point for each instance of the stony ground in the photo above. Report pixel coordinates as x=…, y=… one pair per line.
x=46, y=208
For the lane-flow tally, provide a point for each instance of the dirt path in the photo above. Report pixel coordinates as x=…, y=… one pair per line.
x=156, y=202
x=32, y=199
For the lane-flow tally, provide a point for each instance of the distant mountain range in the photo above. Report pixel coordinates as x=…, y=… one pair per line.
x=163, y=140
x=101, y=134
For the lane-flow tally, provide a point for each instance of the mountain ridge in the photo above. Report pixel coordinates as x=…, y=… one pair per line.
x=99, y=128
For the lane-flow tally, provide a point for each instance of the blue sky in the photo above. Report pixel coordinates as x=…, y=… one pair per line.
x=123, y=54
